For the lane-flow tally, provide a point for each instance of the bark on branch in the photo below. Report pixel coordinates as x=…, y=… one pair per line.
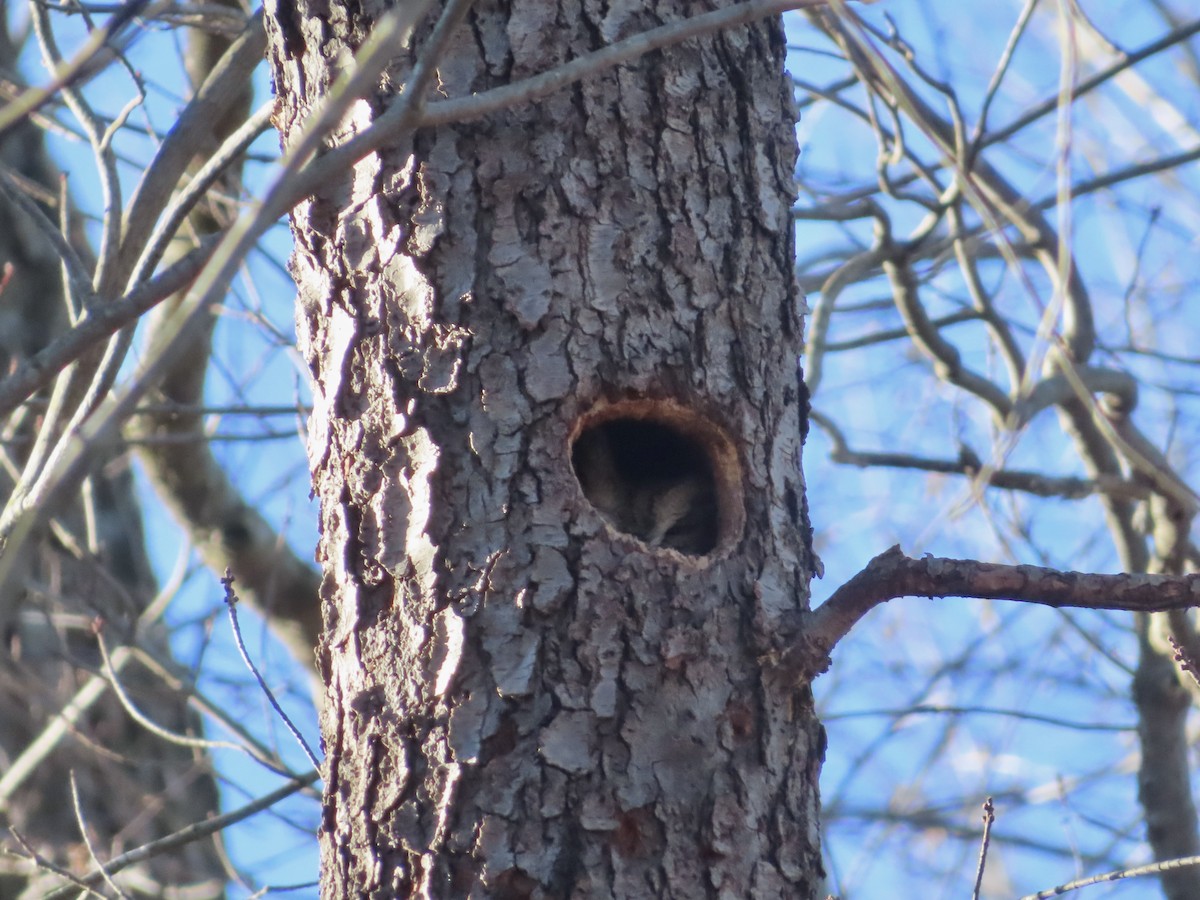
x=891, y=574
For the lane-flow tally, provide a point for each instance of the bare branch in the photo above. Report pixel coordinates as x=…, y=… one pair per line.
x=968, y=464
x=190, y=834
x=989, y=819
x=103, y=320
x=1157, y=868
x=891, y=574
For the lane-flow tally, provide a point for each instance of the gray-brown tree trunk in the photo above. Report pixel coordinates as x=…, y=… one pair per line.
x=555, y=440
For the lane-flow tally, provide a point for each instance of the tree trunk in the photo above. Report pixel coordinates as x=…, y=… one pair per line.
x=556, y=439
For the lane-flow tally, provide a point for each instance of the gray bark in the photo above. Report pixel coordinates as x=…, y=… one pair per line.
x=529, y=696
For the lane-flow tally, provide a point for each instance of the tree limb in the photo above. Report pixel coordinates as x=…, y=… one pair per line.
x=891, y=574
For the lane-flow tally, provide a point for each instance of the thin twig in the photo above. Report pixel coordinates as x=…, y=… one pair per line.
x=40, y=861
x=989, y=817
x=103, y=319
x=465, y=109
x=187, y=835
x=1139, y=872
x=166, y=734
x=231, y=603
x=77, y=804
x=36, y=751
x=175, y=214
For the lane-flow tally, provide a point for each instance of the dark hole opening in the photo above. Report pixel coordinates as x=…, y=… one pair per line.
x=650, y=481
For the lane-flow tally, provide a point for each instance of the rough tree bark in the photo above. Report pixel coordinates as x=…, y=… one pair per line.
x=531, y=693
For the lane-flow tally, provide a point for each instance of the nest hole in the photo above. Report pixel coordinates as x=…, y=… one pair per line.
x=658, y=474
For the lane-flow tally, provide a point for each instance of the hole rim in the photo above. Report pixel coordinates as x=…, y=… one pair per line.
x=704, y=436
